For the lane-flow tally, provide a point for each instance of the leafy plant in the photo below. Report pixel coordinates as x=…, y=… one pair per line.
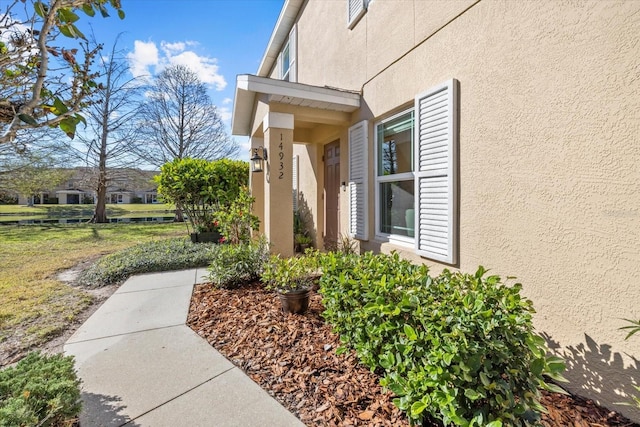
x=201, y=188
x=633, y=327
x=234, y=265
x=458, y=347
x=159, y=255
x=291, y=274
x=237, y=221
x=40, y=390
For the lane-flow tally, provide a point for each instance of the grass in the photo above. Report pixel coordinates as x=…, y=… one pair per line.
x=34, y=306
x=80, y=210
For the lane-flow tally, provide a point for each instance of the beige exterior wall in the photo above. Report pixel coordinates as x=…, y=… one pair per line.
x=549, y=150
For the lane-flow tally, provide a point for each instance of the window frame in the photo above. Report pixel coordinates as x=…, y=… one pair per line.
x=396, y=239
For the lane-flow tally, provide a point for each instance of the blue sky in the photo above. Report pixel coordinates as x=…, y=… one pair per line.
x=216, y=38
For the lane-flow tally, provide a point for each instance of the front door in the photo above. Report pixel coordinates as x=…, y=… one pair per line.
x=331, y=193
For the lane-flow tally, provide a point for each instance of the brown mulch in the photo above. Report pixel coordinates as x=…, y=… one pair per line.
x=293, y=358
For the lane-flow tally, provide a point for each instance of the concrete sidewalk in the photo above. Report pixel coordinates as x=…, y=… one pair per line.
x=142, y=366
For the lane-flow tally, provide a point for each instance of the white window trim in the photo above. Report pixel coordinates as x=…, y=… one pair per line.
x=380, y=236
x=291, y=74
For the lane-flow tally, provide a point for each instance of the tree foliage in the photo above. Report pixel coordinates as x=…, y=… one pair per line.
x=43, y=82
x=106, y=143
x=179, y=120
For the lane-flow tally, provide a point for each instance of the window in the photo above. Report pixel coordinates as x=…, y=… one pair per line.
x=287, y=58
x=416, y=173
x=395, y=198
x=355, y=10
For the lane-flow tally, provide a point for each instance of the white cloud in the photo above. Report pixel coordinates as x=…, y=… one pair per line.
x=206, y=68
x=144, y=55
x=227, y=101
x=147, y=54
x=225, y=114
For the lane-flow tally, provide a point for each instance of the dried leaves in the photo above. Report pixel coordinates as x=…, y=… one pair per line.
x=293, y=358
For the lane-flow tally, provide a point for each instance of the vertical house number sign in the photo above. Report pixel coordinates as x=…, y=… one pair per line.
x=281, y=159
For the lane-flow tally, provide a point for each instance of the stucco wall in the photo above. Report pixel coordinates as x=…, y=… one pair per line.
x=549, y=149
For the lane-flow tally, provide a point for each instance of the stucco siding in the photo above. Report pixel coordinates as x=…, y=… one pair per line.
x=549, y=149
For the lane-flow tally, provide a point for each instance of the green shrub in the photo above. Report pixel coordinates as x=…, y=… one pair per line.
x=158, y=255
x=290, y=274
x=234, y=265
x=460, y=348
x=40, y=390
x=201, y=188
x=237, y=221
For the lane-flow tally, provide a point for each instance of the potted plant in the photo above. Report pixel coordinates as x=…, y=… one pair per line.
x=202, y=189
x=293, y=279
x=302, y=242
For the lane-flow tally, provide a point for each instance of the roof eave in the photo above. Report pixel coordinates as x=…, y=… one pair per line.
x=283, y=26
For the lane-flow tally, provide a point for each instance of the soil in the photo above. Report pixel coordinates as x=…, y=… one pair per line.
x=293, y=357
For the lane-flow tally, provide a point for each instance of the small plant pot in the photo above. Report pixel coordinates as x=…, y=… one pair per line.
x=296, y=302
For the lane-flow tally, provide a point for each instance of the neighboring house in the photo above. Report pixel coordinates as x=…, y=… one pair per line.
x=461, y=133
x=129, y=186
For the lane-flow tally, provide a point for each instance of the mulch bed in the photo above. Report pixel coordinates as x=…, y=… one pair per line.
x=293, y=358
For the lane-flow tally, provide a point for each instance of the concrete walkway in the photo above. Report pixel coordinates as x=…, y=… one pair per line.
x=142, y=366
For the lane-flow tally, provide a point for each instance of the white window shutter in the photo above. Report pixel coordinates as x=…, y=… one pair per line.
x=436, y=173
x=293, y=55
x=355, y=10
x=358, y=177
x=295, y=183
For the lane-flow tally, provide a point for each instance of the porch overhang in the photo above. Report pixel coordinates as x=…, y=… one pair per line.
x=248, y=87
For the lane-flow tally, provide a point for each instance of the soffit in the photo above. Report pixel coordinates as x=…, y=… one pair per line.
x=287, y=93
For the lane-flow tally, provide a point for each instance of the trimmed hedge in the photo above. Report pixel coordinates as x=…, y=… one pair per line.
x=460, y=348
x=40, y=390
x=158, y=255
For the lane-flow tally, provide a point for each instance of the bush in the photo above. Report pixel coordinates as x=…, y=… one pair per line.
x=234, y=265
x=237, y=221
x=158, y=255
x=460, y=348
x=202, y=188
x=40, y=390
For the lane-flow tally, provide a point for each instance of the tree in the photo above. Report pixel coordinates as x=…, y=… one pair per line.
x=179, y=121
x=110, y=129
x=43, y=84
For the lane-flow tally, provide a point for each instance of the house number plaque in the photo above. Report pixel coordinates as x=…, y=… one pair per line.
x=281, y=159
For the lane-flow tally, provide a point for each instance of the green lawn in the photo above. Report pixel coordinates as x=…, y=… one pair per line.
x=79, y=210
x=34, y=306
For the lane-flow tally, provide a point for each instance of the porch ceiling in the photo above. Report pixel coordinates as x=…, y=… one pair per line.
x=287, y=93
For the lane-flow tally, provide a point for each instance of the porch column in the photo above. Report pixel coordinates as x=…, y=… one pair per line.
x=278, y=201
x=256, y=185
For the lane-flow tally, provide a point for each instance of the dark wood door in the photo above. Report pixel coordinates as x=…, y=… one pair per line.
x=331, y=193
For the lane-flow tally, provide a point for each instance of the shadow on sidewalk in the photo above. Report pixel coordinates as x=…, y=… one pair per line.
x=103, y=411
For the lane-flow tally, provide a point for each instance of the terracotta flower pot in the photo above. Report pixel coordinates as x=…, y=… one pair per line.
x=296, y=302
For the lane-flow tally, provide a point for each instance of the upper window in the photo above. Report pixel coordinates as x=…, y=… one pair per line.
x=394, y=177
x=286, y=62
x=287, y=58
x=355, y=10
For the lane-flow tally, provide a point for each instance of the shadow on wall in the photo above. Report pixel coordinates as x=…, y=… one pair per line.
x=306, y=218
x=595, y=372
